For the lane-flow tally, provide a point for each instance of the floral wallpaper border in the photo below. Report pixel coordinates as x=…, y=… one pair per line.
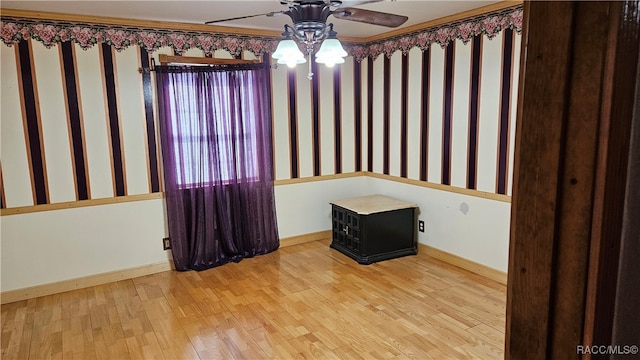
x=490, y=24
x=49, y=33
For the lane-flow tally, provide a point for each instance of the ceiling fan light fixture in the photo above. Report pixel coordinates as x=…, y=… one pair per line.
x=309, y=29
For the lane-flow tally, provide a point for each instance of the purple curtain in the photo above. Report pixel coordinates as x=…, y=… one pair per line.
x=215, y=129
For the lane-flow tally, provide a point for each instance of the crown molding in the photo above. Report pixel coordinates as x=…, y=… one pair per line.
x=438, y=22
x=42, y=15
x=165, y=25
x=87, y=31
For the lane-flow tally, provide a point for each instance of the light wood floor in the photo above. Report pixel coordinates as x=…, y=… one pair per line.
x=304, y=301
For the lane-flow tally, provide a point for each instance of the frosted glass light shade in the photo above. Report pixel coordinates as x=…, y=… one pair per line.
x=331, y=47
x=288, y=53
x=286, y=47
x=331, y=52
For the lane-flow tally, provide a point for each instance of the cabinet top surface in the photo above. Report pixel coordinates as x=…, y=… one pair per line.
x=372, y=204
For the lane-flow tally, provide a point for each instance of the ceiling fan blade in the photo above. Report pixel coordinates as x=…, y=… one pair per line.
x=349, y=3
x=370, y=17
x=269, y=14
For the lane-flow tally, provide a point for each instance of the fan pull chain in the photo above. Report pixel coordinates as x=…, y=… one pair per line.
x=310, y=74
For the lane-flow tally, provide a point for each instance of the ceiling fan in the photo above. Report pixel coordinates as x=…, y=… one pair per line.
x=309, y=18
x=317, y=11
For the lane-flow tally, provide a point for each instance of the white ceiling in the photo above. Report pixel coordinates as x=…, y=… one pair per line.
x=198, y=12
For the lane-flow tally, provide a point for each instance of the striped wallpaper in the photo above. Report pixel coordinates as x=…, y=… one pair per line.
x=443, y=115
x=75, y=124
x=81, y=124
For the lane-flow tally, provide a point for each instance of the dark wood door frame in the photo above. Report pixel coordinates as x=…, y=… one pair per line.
x=579, y=69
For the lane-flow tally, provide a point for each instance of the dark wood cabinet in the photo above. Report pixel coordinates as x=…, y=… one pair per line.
x=373, y=228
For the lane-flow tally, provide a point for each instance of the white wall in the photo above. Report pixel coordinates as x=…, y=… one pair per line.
x=51, y=246
x=304, y=208
x=471, y=227
x=46, y=247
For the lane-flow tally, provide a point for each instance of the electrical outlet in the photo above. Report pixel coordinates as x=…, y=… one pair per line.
x=166, y=243
x=420, y=225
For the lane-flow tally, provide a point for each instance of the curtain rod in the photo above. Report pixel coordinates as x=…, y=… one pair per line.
x=169, y=59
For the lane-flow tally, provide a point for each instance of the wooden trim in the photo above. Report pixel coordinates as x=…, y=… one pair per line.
x=165, y=25
x=433, y=23
x=83, y=282
x=152, y=196
x=449, y=188
x=317, y=178
x=305, y=238
x=245, y=31
x=79, y=204
x=160, y=195
x=534, y=245
x=621, y=75
x=170, y=59
x=474, y=267
x=576, y=100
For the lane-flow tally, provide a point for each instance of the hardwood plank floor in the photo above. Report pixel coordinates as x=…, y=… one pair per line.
x=303, y=301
